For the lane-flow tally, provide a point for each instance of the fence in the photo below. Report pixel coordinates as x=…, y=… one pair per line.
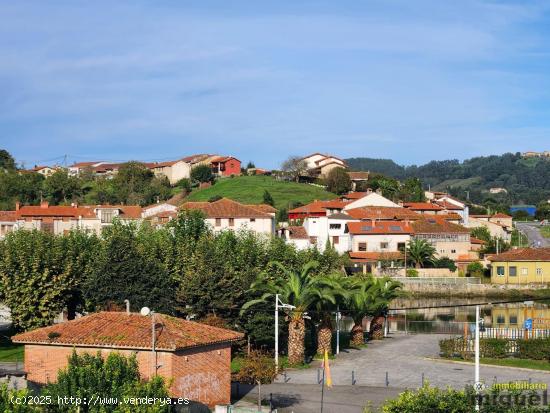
x=514, y=333
x=438, y=280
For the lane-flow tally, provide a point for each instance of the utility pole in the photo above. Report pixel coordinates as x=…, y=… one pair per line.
x=338, y=330
x=497, y=245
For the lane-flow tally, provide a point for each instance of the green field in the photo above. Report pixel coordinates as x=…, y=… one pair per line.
x=545, y=231
x=250, y=190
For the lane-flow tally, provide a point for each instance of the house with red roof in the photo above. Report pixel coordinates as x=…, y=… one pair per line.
x=521, y=266
x=226, y=214
x=499, y=225
x=8, y=222
x=194, y=358
x=225, y=166
x=319, y=165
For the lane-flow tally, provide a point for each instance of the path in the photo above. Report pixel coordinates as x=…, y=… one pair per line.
x=531, y=230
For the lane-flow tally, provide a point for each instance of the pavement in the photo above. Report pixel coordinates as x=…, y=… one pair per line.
x=381, y=371
x=531, y=230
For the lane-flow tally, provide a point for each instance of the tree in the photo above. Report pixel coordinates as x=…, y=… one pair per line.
x=202, y=173
x=299, y=289
x=421, y=252
x=250, y=165
x=41, y=274
x=268, y=199
x=125, y=271
x=295, y=167
x=384, y=291
x=361, y=299
x=61, y=188
x=132, y=184
x=543, y=212
x=185, y=185
x=444, y=262
x=338, y=181
x=411, y=190
x=93, y=377
x=7, y=163
x=475, y=269
x=257, y=368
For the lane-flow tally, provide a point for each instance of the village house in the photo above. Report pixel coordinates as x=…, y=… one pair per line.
x=45, y=171
x=8, y=222
x=225, y=166
x=358, y=178
x=449, y=204
x=499, y=225
x=319, y=165
x=179, y=169
x=295, y=235
x=425, y=208
x=194, y=358
x=521, y=266
x=60, y=219
x=226, y=214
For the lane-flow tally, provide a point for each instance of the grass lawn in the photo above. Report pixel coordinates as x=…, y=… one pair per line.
x=250, y=190
x=545, y=231
x=11, y=352
x=514, y=362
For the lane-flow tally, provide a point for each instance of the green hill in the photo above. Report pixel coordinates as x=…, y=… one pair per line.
x=250, y=190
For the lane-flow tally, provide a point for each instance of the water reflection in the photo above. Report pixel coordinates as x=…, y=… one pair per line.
x=453, y=316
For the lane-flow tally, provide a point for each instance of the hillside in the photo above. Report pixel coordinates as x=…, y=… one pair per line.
x=250, y=190
x=526, y=180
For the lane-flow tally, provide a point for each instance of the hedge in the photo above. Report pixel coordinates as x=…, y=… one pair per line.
x=534, y=349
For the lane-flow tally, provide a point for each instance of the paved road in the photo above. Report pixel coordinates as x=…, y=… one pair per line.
x=406, y=358
x=306, y=398
x=531, y=230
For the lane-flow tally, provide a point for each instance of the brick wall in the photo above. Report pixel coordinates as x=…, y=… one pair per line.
x=201, y=374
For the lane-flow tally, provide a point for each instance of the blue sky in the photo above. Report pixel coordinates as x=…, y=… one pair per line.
x=157, y=80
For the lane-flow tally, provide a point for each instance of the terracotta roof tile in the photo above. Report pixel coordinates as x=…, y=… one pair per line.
x=55, y=211
x=447, y=205
x=319, y=207
x=268, y=209
x=422, y=206
x=375, y=256
x=523, y=254
x=297, y=232
x=8, y=216
x=379, y=227
x=226, y=208
x=432, y=224
x=354, y=195
x=382, y=213
x=123, y=330
x=501, y=215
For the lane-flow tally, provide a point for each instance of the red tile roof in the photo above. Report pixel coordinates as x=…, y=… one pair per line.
x=55, y=211
x=449, y=206
x=375, y=256
x=297, y=232
x=268, y=209
x=523, y=254
x=226, y=208
x=354, y=195
x=474, y=240
x=128, y=330
x=379, y=227
x=8, y=216
x=422, y=206
x=501, y=215
x=319, y=207
x=433, y=224
x=384, y=213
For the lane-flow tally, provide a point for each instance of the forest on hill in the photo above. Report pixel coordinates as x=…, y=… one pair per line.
x=526, y=180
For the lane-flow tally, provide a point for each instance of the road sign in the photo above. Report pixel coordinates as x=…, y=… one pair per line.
x=528, y=324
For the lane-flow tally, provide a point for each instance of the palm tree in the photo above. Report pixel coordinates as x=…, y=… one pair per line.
x=332, y=292
x=361, y=298
x=420, y=252
x=384, y=291
x=300, y=289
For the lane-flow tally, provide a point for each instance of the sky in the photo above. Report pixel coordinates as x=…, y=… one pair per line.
x=261, y=80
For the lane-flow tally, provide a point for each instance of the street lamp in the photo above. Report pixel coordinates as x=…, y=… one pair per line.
x=278, y=304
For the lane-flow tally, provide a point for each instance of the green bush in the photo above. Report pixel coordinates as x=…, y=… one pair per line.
x=411, y=272
x=488, y=347
x=475, y=269
x=535, y=349
x=493, y=348
x=6, y=404
x=431, y=399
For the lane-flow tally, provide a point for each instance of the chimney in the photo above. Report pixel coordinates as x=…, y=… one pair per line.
x=369, y=190
x=44, y=204
x=379, y=191
x=400, y=203
x=17, y=205
x=373, y=222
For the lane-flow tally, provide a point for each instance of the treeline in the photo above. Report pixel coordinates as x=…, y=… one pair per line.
x=526, y=180
x=183, y=269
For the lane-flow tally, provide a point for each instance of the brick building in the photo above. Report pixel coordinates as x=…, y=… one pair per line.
x=195, y=356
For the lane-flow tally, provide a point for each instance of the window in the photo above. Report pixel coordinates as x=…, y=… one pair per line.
x=384, y=245
x=513, y=271
x=401, y=246
x=231, y=222
x=107, y=216
x=513, y=319
x=539, y=271
x=362, y=246
x=252, y=219
x=524, y=271
x=218, y=222
x=453, y=251
x=500, y=271
x=500, y=319
x=335, y=240
x=335, y=226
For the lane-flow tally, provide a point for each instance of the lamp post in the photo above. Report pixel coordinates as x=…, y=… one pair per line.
x=278, y=304
x=476, y=372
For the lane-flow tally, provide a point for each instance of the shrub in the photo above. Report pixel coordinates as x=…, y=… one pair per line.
x=258, y=367
x=475, y=269
x=411, y=272
x=431, y=399
x=6, y=404
x=494, y=347
x=535, y=349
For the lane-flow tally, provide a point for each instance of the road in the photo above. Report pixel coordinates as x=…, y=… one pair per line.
x=531, y=230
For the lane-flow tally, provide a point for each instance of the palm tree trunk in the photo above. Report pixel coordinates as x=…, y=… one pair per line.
x=357, y=334
x=377, y=328
x=324, y=336
x=296, y=335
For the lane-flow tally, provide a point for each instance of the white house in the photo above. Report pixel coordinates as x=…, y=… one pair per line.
x=226, y=214
x=371, y=199
x=319, y=164
x=379, y=236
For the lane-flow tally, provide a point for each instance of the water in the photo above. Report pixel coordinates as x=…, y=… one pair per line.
x=454, y=316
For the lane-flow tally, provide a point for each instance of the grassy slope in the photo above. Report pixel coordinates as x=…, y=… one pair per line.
x=250, y=190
